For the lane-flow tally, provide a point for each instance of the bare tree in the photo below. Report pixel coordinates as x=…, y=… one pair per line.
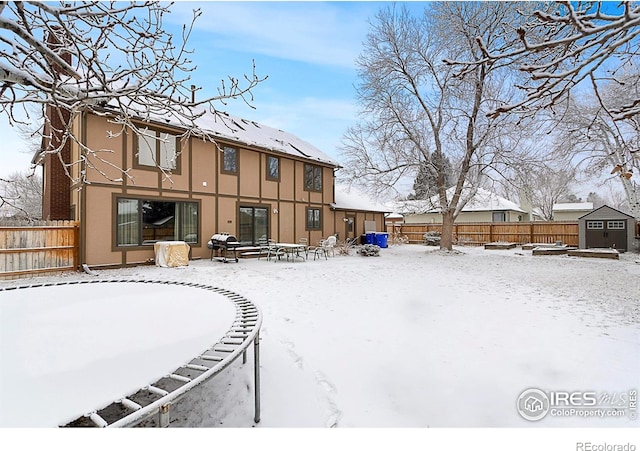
x=589, y=134
x=21, y=196
x=114, y=57
x=562, y=45
x=416, y=111
x=544, y=186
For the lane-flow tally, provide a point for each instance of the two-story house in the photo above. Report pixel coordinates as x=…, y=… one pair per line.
x=247, y=179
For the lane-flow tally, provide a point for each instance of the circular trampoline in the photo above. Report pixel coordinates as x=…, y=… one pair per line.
x=115, y=352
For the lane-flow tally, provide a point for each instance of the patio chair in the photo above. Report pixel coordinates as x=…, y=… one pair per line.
x=274, y=251
x=305, y=242
x=325, y=247
x=263, y=243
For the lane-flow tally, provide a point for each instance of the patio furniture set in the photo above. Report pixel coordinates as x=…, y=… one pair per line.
x=300, y=250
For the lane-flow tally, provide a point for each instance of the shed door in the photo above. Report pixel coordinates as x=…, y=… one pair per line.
x=607, y=234
x=617, y=234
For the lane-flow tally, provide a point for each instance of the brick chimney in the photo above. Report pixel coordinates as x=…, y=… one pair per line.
x=56, y=199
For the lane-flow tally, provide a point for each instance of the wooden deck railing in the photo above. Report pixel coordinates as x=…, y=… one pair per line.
x=27, y=249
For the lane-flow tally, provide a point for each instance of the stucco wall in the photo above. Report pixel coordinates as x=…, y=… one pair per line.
x=199, y=180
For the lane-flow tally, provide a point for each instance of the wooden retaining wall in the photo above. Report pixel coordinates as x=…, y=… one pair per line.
x=27, y=249
x=480, y=233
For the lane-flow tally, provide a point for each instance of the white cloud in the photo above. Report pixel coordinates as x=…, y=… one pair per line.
x=319, y=33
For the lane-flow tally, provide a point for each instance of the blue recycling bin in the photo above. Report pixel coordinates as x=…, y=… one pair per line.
x=382, y=239
x=370, y=238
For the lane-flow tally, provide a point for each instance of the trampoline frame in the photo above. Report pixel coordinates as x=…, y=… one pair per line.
x=244, y=331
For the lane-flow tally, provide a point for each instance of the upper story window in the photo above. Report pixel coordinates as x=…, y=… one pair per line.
x=312, y=177
x=273, y=168
x=230, y=160
x=157, y=149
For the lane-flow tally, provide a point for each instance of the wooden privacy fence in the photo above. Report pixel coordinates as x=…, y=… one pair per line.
x=33, y=248
x=479, y=233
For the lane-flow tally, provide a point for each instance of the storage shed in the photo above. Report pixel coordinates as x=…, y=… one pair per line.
x=606, y=227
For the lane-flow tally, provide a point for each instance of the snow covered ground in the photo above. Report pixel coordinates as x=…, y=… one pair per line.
x=415, y=338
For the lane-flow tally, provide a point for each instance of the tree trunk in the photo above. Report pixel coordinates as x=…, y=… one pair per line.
x=446, y=240
x=632, y=197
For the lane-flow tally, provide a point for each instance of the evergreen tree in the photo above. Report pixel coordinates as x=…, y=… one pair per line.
x=426, y=182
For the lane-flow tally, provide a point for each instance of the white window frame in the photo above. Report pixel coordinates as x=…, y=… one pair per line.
x=157, y=149
x=616, y=225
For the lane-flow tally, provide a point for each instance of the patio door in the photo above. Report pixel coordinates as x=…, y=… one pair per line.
x=253, y=224
x=350, y=227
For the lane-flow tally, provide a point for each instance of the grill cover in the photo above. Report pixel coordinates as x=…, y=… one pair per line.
x=223, y=240
x=223, y=237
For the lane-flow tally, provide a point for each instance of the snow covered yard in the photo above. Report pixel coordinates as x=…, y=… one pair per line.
x=417, y=337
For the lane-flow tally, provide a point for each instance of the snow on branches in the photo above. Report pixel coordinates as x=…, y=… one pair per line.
x=73, y=56
x=564, y=45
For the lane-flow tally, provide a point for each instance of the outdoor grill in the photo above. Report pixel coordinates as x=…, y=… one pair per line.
x=222, y=243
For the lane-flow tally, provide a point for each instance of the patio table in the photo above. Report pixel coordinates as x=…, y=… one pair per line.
x=292, y=249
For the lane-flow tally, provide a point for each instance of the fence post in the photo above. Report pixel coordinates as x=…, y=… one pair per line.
x=531, y=232
x=76, y=245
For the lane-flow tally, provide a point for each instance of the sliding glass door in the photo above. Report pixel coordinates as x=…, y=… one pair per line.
x=254, y=225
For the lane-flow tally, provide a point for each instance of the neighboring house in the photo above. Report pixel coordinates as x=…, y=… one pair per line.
x=254, y=182
x=485, y=206
x=564, y=211
x=571, y=211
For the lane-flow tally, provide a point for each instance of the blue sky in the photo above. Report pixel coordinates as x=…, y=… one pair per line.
x=307, y=50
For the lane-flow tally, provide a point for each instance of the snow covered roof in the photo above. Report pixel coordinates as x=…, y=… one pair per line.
x=483, y=200
x=575, y=206
x=243, y=131
x=233, y=128
x=349, y=198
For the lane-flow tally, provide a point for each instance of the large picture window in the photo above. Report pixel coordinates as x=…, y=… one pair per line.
x=141, y=222
x=312, y=177
x=157, y=149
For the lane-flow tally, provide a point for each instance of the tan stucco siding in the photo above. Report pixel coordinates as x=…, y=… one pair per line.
x=285, y=222
x=203, y=166
x=208, y=219
x=228, y=184
x=287, y=179
x=100, y=233
x=106, y=156
x=226, y=215
x=197, y=179
x=250, y=174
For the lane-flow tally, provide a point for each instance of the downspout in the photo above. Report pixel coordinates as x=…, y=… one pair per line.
x=81, y=190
